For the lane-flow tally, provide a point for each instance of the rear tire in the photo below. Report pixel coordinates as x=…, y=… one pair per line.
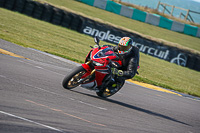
x=104, y=93
x=71, y=80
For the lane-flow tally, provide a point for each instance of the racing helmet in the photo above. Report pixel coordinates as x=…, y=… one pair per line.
x=125, y=45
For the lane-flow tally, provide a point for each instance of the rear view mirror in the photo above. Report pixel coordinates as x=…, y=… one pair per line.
x=96, y=40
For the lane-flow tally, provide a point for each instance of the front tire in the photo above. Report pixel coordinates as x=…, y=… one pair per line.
x=71, y=80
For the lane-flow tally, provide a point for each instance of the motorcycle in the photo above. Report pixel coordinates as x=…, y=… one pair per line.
x=96, y=73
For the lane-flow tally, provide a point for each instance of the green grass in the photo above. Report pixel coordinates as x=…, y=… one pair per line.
x=146, y=29
x=29, y=32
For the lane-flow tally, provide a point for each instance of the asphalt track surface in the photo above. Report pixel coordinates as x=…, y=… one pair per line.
x=32, y=100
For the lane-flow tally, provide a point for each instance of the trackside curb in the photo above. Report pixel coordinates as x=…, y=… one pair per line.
x=2, y=51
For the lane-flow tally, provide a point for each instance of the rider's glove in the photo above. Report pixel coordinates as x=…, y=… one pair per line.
x=117, y=72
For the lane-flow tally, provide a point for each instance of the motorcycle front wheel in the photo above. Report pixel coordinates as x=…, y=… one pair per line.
x=107, y=92
x=71, y=80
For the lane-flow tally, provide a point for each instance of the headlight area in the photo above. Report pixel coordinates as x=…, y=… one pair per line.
x=97, y=63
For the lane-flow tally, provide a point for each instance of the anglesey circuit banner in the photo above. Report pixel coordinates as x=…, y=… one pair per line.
x=113, y=35
x=162, y=52
x=105, y=32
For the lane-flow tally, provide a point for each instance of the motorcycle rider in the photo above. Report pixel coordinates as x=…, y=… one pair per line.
x=129, y=55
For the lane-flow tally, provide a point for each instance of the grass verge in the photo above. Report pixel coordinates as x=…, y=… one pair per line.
x=29, y=32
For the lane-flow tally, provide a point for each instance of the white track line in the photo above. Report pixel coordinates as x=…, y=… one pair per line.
x=32, y=121
x=38, y=88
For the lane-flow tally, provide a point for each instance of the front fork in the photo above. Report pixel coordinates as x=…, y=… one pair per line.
x=89, y=71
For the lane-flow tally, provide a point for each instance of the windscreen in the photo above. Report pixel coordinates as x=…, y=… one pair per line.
x=106, y=52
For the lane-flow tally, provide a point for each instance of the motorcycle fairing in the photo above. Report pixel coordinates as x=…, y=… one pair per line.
x=99, y=55
x=99, y=76
x=90, y=85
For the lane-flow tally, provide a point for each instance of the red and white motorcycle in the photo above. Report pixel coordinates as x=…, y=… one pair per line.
x=96, y=73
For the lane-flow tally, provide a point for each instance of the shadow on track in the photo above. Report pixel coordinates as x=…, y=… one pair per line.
x=134, y=107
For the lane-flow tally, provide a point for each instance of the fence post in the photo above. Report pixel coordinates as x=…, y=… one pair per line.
x=158, y=6
x=172, y=10
x=187, y=14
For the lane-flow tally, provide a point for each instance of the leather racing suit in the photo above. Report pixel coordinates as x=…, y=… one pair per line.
x=130, y=62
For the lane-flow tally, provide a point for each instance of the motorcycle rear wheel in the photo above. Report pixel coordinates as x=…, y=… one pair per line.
x=71, y=80
x=106, y=92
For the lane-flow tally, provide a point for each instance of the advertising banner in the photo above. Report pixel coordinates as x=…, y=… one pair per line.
x=113, y=35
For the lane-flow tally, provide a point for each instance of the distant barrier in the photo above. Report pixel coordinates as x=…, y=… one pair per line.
x=186, y=17
x=105, y=32
x=136, y=14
